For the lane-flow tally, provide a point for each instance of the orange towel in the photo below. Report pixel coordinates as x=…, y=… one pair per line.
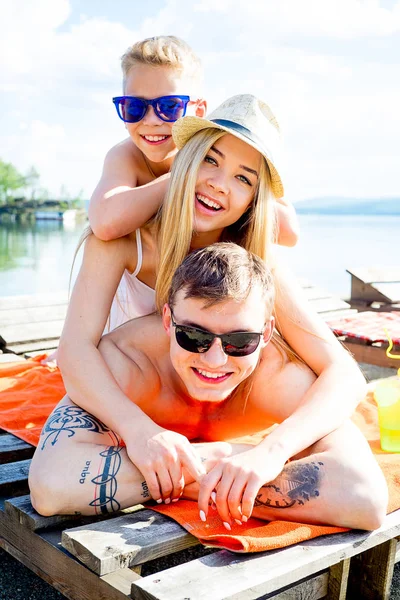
x=29, y=391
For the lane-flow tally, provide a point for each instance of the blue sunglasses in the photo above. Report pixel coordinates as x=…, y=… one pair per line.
x=167, y=108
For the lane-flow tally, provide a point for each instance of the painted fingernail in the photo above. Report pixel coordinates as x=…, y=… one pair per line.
x=238, y=522
x=167, y=500
x=227, y=526
x=213, y=496
x=244, y=519
x=159, y=501
x=203, y=516
x=175, y=499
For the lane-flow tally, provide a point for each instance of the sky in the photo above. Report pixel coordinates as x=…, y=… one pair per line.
x=329, y=69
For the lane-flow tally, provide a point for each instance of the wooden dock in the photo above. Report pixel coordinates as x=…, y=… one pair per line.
x=375, y=288
x=119, y=557
x=33, y=324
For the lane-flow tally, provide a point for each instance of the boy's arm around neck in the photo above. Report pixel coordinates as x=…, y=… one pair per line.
x=287, y=223
x=117, y=206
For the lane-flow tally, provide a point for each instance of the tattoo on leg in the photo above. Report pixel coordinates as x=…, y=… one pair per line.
x=145, y=492
x=85, y=472
x=296, y=485
x=106, y=484
x=66, y=419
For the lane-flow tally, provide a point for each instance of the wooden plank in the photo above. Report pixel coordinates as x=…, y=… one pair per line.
x=14, y=478
x=371, y=572
x=126, y=541
x=315, y=293
x=21, y=510
x=337, y=581
x=371, y=354
x=122, y=580
x=375, y=274
x=13, y=449
x=32, y=331
x=53, y=565
x=31, y=348
x=32, y=314
x=324, y=305
x=11, y=302
x=262, y=573
x=390, y=290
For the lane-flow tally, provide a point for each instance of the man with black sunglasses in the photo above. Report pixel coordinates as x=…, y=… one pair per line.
x=209, y=370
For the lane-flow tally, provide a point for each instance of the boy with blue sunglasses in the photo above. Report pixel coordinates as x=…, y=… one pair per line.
x=162, y=81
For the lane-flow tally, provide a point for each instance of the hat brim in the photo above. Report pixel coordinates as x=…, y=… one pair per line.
x=186, y=127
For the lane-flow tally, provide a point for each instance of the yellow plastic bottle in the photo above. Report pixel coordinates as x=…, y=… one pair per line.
x=387, y=397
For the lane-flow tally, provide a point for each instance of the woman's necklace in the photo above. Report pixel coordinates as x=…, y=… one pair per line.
x=149, y=167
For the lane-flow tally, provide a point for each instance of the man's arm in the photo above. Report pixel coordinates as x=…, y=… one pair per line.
x=117, y=206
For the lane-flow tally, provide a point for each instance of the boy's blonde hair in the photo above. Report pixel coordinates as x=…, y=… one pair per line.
x=254, y=231
x=164, y=51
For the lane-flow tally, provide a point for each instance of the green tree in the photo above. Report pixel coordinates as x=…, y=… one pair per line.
x=11, y=180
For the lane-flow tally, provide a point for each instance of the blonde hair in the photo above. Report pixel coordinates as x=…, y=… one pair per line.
x=254, y=231
x=164, y=51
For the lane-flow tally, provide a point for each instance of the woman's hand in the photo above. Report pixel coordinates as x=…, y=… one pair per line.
x=233, y=484
x=161, y=455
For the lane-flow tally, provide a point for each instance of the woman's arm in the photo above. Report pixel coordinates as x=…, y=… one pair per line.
x=339, y=386
x=87, y=379
x=117, y=206
x=91, y=385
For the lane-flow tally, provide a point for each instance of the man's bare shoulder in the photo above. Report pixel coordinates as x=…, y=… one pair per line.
x=145, y=340
x=279, y=384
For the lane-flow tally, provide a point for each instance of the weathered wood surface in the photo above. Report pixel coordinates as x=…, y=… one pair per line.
x=34, y=323
x=372, y=572
x=14, y=478
x=12, y=449
x=375, y=285
x=224, y=576
x=126, y=541
x=307, y=570
x=373, y=355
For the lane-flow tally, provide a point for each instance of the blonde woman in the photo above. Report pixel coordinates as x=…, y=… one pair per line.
x=222, y=186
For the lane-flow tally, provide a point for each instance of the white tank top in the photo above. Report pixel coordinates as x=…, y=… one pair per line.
x=133, y=298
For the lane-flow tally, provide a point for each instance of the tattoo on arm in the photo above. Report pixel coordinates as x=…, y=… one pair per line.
x=105, y=482
x=68, y=419
x=296, y=485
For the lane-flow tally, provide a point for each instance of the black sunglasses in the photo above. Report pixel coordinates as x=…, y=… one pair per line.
x=167, y=108
x=193, y=339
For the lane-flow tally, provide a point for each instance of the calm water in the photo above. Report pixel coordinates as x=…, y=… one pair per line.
x=37, y=258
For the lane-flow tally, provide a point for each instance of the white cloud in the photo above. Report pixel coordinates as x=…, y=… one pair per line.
x=328, y=68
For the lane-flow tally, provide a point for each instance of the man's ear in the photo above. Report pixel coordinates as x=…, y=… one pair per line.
x=201, y=108
x=269, y=330
x=166, y=319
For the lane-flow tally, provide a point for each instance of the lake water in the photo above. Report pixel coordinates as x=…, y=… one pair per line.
x=37, y=258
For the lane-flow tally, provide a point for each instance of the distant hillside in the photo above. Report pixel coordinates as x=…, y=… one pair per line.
x=349, y=206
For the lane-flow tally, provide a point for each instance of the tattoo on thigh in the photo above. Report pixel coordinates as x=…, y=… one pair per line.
x=106, y=484
x=67, y=419
x=145, y=492
x=85, y=472
x=296, y=485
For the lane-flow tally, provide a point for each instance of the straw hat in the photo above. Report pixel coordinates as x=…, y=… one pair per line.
x=246, y=117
